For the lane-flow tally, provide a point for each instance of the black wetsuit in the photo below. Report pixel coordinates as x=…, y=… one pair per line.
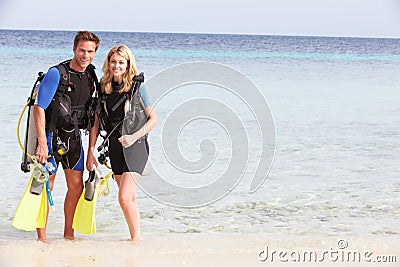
x=133, y=158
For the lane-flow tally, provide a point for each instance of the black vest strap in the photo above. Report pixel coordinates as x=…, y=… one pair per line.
x=122, y=100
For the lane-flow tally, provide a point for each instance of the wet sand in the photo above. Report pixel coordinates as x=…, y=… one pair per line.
x=202, y=250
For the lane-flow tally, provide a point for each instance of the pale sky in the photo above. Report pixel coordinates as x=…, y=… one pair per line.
x=358, y=18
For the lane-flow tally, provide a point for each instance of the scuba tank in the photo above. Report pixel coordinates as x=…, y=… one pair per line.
x=30, y=140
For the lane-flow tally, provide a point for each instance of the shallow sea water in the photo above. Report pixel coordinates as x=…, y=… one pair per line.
x=335, y=104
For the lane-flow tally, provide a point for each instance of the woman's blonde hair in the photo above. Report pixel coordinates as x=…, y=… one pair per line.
x=130, y=72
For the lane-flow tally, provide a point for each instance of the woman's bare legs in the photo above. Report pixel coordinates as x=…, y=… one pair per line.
x=128, y=202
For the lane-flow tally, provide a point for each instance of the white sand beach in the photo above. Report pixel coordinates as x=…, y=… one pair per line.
x=200, y=250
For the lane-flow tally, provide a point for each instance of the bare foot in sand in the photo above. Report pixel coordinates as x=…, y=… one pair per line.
x=71, y=238
x=136, y=239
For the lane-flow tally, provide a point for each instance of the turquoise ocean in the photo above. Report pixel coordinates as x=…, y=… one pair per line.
x=336, y=109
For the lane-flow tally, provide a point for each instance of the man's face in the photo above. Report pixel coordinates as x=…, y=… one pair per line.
x=84, y=53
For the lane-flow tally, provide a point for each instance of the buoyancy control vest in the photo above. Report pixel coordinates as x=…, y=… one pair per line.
x=74, y=102
x=133, y=116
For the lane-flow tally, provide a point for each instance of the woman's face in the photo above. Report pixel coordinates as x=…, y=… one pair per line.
x=118, y=65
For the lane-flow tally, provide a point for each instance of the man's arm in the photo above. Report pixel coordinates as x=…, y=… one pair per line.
x=46, y=92
x=40, y=122
x=91, y=159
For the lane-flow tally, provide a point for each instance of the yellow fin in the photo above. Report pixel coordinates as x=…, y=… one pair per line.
x=26, y=215
x=42, y=215
x=85, y=214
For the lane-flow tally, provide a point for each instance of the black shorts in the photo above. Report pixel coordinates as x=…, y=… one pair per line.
x=74, y=156
x=131, y=159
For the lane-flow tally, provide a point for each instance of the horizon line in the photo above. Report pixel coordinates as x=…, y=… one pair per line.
x=211, y=33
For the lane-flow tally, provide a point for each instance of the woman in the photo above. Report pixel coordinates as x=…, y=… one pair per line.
x=128, y=152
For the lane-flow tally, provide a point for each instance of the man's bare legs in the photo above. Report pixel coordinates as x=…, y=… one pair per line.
x=74, y=190
x=41, y=232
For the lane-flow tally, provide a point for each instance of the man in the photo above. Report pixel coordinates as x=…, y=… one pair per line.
x=60, y=111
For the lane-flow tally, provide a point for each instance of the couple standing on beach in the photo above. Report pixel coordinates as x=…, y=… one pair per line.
x=119, y=71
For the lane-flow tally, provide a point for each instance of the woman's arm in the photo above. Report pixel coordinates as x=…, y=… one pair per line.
x=128, y=140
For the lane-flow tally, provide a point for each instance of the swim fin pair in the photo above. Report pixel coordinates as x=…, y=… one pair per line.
x=85, y=212
x=32, y=209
